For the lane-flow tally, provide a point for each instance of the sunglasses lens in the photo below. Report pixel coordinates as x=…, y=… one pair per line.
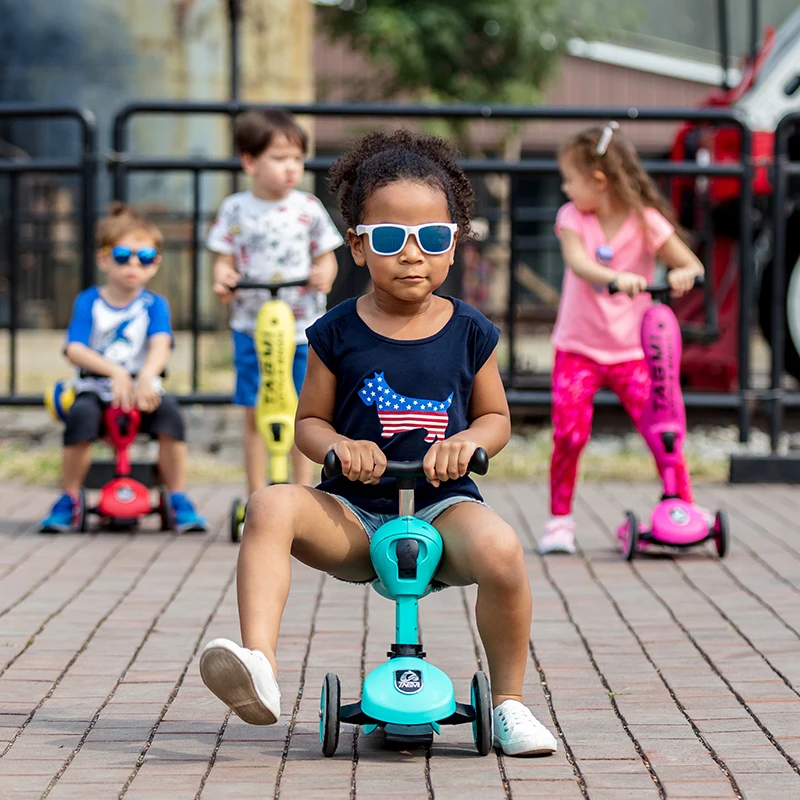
x=147, y=256
x=435, y=238
x=121, y=254
x=387, y=239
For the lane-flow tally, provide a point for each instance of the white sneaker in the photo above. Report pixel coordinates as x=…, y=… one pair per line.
x=518, y=733
x=243, y=680
x=559, y=536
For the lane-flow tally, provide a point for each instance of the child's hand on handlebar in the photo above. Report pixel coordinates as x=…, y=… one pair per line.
x=447, y=460
x=361, y=460
x=122, y=389
x=225, y=279
x=681, y=280
x=631, y=283
x=145, y=398
x=321, y=277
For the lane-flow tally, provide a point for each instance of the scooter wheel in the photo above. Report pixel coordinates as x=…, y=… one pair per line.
x=329, y=714
x=633, y=536
x=482, y=727
x=237, y=520
x=722, y=533
x=80, y=515
x=165, y=510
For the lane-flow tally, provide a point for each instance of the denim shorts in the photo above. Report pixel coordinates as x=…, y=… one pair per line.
x=248, y=369
x=370, y=521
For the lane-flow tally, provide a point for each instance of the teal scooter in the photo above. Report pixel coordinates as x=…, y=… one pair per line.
x=406, y=696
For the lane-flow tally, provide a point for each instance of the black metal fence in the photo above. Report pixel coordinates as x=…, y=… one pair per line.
x=81, y=164
x=123, y=165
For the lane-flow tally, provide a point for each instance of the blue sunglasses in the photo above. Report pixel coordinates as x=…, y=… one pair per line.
x=146, y=256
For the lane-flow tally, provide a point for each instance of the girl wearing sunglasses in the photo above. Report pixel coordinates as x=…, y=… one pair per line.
x=399, y=373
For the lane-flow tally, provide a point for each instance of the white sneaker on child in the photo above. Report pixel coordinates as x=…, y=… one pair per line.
x=243, y=680
x=559, y=536
x=518, y=733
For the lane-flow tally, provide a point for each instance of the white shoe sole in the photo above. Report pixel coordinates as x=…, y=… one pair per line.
x=228, y=678
x=536, y=751
x=544, y=551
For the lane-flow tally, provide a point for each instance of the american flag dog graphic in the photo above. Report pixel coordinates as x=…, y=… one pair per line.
x=398, y=412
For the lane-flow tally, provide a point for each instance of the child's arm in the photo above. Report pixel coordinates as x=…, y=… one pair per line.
x=577, y=259
x=323, y=272
x=684, y=266
x=490, y=428
x=84, y=357
x=159, y=348
x=314, y=433
x=225, y=277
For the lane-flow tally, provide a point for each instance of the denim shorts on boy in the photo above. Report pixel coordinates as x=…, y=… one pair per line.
x=248, y=369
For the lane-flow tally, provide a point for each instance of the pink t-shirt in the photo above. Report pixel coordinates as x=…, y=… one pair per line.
x=590, y=322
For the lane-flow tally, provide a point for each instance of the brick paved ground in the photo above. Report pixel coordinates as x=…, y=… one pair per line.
x=671, y=677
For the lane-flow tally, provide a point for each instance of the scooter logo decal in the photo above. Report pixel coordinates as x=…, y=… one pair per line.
x=124, y=494
x=679, y=516
x=408, y=681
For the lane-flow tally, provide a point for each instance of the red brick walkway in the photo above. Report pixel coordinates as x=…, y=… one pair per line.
x=670, y=677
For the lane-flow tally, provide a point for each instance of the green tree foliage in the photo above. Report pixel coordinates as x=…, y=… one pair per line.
x=473, y=51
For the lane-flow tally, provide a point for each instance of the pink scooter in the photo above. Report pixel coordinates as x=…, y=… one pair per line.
x=674, y=522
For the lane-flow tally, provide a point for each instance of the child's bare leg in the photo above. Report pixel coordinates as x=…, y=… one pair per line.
x=284, y=521
x=255, y=453
x=481, y=548
x=302, y=468
x=75, y=464
x=172, y=463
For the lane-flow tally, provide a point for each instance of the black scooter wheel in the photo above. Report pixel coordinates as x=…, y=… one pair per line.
x=722, y=534
x=165, y=510
x=633, y=535
x=483, y=726
x=329, y=706
x=237, y=520
x=81, y=512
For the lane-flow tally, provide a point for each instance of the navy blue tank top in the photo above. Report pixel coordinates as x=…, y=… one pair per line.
x=403, y=395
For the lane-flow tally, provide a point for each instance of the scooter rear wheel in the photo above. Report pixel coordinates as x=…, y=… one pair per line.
x=237, y=520
x=165, y=510
x=633, y=536
x=329, y=708
x=482, y=727
x=722, y=533
x=81, y=512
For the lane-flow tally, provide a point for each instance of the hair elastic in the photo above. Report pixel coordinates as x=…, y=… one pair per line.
x=605, y=137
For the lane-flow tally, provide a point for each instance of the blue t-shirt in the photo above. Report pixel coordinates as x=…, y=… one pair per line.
x=403, y=395
x=119, y=333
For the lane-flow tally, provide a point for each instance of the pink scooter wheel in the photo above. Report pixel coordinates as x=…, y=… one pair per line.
x=722, y=534
x=632, y=524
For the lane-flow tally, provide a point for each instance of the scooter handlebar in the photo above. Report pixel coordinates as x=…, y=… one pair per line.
x=272, y=287
x=479, y=464
x=655, y=288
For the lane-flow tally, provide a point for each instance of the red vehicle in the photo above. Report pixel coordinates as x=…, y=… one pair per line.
x=768, y=90
x=123, y=499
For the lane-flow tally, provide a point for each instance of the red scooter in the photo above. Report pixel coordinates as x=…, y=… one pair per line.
x=124, y=500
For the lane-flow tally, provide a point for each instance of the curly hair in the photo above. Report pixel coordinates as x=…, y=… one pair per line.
x=379, y=159
x=120, y=220
x=621, y=165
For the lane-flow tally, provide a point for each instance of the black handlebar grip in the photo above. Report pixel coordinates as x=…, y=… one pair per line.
x=479, y=464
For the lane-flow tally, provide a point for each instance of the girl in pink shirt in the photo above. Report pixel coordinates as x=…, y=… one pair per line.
x=614, y=228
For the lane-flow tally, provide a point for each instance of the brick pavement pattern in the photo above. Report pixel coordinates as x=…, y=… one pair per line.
x=673, y=676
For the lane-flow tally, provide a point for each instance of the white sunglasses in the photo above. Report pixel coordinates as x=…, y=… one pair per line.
x=388, y=239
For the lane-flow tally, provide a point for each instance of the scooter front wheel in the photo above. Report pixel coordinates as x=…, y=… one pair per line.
x=81, y=511
x=165, y=510
x=722, y=533
x=633, y=536
x=329, y=708
x=482, y=727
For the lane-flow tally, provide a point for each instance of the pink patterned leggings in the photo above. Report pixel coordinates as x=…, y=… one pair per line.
x=576, y=380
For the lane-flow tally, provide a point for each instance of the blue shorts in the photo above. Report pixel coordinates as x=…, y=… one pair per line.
x=370, y=521
x=248, y=369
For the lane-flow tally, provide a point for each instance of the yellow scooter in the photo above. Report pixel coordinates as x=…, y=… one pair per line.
x=277, y=398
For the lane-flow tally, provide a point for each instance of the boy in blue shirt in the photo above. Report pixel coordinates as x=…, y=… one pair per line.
x=120, y=340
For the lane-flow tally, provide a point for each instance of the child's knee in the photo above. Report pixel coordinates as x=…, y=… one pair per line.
x=572, y=438
x=272, y=510
x=502, y=560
